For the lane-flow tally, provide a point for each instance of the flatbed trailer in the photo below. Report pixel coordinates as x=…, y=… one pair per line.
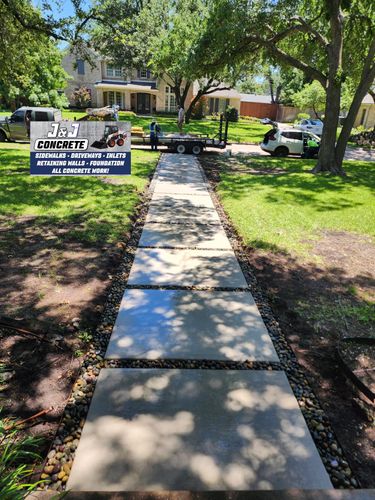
x=185, y=143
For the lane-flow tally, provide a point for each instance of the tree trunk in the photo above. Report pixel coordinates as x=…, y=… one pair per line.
x=367, y=79
x=189, y=111
x=327, y=161
x=270, y=82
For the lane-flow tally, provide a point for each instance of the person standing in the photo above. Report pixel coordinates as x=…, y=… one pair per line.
x=154, y=135
x=116, y=109
x=312, y=148
x=28, y=122
x=181, y=118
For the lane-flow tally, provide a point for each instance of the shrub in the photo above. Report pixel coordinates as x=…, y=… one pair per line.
x=231, y=114
x=303, y=116
x=82, y=97
x=15, y=452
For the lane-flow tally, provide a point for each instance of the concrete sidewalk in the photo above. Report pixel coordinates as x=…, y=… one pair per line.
x=153, y=429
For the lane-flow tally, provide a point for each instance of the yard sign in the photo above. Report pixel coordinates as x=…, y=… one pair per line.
x=80, y=148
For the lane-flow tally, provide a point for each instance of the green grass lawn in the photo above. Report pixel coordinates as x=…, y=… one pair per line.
x=282, y=211
x=95, y=210
x=242, y=131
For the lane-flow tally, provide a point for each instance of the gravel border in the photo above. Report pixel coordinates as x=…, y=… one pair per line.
x=59, y=460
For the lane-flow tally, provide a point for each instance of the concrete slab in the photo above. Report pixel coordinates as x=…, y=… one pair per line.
x=182, y=324
x=182, y=211
x=184, y=201
x=182, y=176
x=184, y=236
x=162, y=266
x=191, y=188
x=199, y=430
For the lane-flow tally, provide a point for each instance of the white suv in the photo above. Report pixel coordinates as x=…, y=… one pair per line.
x=288, y=141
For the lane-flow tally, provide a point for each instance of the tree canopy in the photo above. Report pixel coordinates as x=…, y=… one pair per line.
x=30, y=65
x=162, y=35
x=329, y=41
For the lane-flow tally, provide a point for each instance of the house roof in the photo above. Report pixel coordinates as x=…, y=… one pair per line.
x=265, y=99
x=225, y=94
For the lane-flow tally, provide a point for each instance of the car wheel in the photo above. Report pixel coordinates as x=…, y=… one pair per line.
x=181, y=149
x=3, y=137
x=120, y=142
x=197, y=149
x=111, y=143
x=281, y=152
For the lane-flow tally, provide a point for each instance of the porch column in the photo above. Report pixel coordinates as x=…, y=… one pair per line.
x=99, y=98
x=126, y=97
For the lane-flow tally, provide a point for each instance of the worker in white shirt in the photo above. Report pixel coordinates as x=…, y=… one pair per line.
x=181, y=117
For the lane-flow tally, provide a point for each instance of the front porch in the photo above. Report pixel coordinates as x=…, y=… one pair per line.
x=136, y=98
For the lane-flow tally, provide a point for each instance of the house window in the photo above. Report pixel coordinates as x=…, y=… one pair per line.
x=144, y=73
x=80, y=66
x=218, y=105
x=170, y=100
x=363, y=117
x=114, y=71
x=111, y=98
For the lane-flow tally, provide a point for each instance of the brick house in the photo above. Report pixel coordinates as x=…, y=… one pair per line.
x=133, y=90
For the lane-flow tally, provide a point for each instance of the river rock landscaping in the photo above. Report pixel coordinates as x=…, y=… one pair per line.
x=61, y=456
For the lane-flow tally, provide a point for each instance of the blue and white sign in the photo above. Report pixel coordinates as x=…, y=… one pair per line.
x=80, y=148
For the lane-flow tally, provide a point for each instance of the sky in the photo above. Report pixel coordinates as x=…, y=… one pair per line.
x=60, y=8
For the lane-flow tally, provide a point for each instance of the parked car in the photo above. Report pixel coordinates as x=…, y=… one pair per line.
x=267, y=121
x=16, y=127
x=284, y=142
x=314, y=126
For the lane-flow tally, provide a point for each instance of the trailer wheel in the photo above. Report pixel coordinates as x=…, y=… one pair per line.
x=197, y=149
x=120, y=142
x=111, y=143
x=181, y=148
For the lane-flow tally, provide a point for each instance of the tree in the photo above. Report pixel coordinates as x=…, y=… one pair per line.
x=161, y=35
x=30, y=66
x=281, y=83
x=327, y=40
x=312, y=96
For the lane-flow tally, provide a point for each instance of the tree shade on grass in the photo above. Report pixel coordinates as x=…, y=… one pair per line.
x=102, y=208
x=279, y=206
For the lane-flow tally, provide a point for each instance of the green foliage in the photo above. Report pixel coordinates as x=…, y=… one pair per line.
x=30, y=65
x=312, y=96
x=232, y=114
x=85, y=337
x=16, y=453
x=303, y=116
x=160, y=35
x=82, y=97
